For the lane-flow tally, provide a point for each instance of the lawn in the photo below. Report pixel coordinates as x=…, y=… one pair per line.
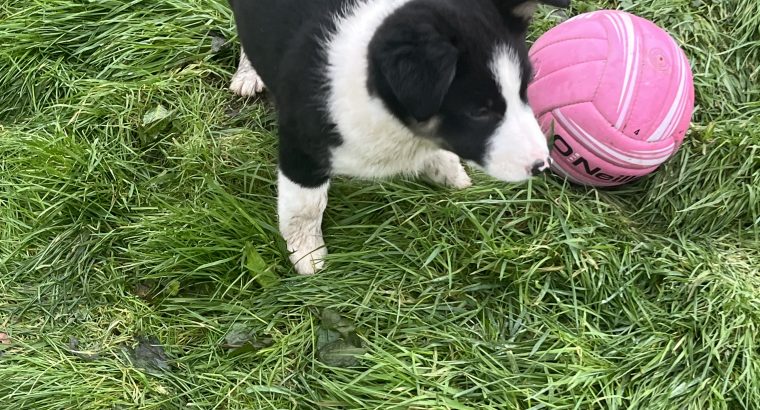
x=140, y=264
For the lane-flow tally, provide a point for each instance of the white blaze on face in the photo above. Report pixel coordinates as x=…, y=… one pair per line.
x=518, y=145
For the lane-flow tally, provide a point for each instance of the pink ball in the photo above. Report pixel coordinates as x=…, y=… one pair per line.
x=618, y=92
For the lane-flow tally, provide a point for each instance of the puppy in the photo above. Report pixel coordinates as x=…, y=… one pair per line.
x=376, y=88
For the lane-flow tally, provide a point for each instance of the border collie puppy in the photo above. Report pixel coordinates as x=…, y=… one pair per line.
x=376, y=88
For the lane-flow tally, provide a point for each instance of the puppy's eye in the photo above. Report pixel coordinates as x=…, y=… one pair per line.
x=484, y=114
x=481, y=114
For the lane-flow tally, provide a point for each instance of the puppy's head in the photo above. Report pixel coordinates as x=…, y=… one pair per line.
x=457, y=73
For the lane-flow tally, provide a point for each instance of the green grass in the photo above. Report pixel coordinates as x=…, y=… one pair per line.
x=536, y=296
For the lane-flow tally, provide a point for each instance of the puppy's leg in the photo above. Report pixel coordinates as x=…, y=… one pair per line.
x=246, y=82
x=300, y=215
x=444, y=167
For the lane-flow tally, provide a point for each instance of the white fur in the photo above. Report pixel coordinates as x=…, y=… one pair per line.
x=518, y=143
x=246, y=81
x=300, y=212
x=375, y=143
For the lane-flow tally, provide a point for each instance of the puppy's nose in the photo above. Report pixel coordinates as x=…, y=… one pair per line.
x=540, y=166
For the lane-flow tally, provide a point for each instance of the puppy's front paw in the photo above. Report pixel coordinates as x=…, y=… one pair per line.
x=458, y=178
x=307, y=252
x=300, y=215
x=445, y=168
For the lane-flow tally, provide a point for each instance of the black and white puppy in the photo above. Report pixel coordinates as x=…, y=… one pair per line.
x=376, y=88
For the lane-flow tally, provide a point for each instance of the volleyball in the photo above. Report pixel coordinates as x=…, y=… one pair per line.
x=616, y=93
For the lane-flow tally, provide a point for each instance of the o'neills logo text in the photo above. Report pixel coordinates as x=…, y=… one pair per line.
x=579, y=162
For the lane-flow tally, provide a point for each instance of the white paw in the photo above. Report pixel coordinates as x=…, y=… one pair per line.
x=246, y=81
x=308, y=254
x=459, y=178
x=445, y=168
x=299, y=212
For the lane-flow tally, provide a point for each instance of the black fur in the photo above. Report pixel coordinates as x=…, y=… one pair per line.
x=283, y=39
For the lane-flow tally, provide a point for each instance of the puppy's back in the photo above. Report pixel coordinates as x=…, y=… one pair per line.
x=270, y=29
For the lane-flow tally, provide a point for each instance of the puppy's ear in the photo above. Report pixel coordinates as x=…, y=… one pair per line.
x=556, y=3
x=525, y=9
x=418, y=65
